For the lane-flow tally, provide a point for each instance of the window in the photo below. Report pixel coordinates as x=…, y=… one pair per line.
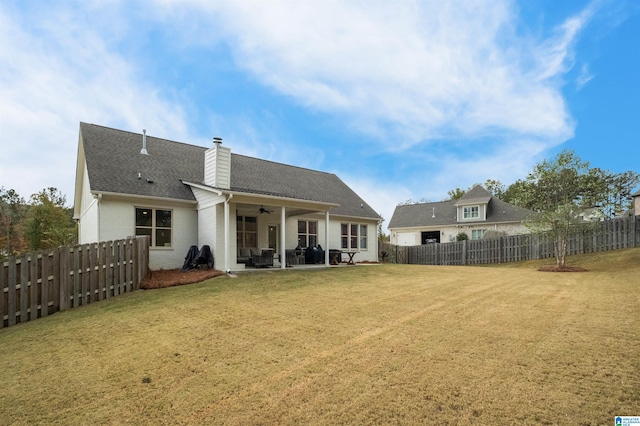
x=477, y=234
x=247, y=231
x=307, y=233
x=471, y=212
x=155, y=223
x=353, y=236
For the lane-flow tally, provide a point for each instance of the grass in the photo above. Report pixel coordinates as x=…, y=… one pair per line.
x=382, y=344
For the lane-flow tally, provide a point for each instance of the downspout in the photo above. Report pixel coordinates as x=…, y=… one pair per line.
x=99, y=198
x=227, y=254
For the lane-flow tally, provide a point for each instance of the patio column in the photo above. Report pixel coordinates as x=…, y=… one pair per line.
x=326, y=238
x=283, y=244
x=227, y=255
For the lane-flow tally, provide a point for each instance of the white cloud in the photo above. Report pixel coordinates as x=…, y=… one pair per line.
x=54, y=75
x=584, y=77
x=413, y=71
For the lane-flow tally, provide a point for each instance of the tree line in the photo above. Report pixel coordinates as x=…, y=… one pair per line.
x=42, y=223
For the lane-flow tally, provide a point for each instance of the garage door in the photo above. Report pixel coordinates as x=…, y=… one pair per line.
x=407, y=239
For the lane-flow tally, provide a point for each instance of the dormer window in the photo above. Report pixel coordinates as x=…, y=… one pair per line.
x=471, y=212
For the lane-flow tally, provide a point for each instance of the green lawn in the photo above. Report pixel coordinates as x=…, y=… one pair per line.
x=380, y=344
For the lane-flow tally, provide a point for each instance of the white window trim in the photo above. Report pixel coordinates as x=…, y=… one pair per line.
x=154, y=228
x=470, y=217
x=358, y=236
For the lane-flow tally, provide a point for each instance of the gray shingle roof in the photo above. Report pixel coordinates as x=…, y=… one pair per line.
x=420, y=215
x=114, y=161
x=476, y=195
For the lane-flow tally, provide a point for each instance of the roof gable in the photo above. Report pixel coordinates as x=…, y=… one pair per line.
x=476, y=195
x=115, y=165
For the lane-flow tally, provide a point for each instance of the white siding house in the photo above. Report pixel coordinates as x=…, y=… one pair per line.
x=184, y=195
x=477, y=212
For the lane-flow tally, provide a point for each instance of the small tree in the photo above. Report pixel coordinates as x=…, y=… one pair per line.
x=456, y=194
x=12, y=212
x=562, y=188
x=48, y=223
x=495, y=187
x=462, y=236
x=560, y=224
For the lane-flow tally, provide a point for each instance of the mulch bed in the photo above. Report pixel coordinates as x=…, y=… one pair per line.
x=174, y=277
x=557, y=268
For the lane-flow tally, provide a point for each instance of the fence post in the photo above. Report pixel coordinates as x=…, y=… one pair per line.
x=33, y=272
x=109, y=272
x=127, y=261
x=44, y=285
x=101, y=272
x=135, y=268
x=463, y=260
x=11, y=297
x=64, y=278
x=93, y=274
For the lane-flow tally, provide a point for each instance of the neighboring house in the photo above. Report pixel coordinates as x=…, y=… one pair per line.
x=475, y=213
x=183, y=195
x=592, y=214
x=636, y=203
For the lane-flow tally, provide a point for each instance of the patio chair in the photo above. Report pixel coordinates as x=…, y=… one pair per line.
x=264, y=259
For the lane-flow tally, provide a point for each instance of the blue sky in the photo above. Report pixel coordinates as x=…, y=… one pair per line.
x=402, y=100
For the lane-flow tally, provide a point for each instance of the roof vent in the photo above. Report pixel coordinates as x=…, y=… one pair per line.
x=433, y=214
x=217, y=140
x=144, y=142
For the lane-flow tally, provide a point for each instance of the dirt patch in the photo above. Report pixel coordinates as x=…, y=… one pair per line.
x=174, y=277
x=557, y=268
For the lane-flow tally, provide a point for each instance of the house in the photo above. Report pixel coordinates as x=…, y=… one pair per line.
x=475, y=213
x=636, y=203
x=184, y=195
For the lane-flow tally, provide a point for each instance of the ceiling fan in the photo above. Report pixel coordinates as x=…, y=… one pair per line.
x=262, y=210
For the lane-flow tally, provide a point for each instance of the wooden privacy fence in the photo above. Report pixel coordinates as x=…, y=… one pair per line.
x=41, y=283
x=608, y=235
